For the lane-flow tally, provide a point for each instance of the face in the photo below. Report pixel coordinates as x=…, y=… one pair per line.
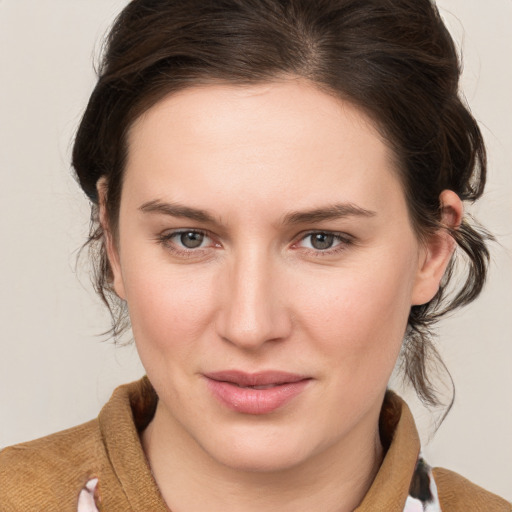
x=269, y=265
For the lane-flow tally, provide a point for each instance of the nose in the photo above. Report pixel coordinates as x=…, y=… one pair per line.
x=254, y=307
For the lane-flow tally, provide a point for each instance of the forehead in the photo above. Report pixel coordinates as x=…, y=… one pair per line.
x=210, y=113
x=286, y=139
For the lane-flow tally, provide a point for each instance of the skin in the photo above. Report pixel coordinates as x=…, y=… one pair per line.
x=258, y=295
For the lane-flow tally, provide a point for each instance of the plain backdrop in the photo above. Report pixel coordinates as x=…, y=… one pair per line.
x=55, y=371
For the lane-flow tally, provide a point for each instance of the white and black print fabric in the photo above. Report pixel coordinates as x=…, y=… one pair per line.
x=423, y=495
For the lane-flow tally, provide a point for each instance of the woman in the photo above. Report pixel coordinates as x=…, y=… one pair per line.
x=277, y=194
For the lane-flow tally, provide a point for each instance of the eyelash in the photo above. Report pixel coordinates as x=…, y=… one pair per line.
x=165, y=240
x=343, y=240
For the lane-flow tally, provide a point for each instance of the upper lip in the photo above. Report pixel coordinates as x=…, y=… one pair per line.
x=263, y=378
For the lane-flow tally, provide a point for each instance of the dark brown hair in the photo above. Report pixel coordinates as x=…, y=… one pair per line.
x=393, y=58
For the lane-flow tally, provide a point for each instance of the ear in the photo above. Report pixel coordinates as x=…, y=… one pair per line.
x=109, y=239
x=437, y=250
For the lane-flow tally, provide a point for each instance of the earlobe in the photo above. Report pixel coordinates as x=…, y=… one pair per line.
x=437, y=250
x=109, y=241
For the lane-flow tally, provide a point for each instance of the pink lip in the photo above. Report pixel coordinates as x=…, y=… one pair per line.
x=230, y=388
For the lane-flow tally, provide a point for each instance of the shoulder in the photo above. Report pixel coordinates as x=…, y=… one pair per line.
x=457, y=494
x=49, y=472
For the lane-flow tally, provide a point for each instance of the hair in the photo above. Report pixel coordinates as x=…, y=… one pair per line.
x=394, y=59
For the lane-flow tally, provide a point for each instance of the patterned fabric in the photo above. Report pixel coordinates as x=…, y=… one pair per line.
x=422, y=492
x=423, y=495
x=88, y=499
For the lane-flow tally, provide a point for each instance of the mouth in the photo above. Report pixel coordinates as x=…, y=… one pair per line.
x=254, y=380
x=255, y=393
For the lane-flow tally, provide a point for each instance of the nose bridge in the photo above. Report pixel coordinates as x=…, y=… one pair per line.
x=253, y=311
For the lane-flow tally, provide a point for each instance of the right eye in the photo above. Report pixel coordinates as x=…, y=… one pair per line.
x=185, y=240
x=190, y=239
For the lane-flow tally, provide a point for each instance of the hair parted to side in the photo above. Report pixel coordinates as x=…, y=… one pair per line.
x=393, y=58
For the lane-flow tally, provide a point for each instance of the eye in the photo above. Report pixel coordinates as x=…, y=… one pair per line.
x=185, y=240
x=324, y=242
x=321, y=241
x=191, y=239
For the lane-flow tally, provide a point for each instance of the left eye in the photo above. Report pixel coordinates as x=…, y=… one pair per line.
x=321, y=241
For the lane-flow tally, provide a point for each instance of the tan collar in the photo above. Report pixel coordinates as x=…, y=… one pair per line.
x=129, y=410
x=390, y=488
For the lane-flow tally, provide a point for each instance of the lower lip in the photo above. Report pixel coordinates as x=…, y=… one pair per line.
x=255, y=401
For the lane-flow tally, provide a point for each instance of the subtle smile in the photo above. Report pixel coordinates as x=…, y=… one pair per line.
x=256, y=393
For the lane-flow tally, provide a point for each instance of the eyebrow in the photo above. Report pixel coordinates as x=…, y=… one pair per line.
x=331, y=212
x=178, y=210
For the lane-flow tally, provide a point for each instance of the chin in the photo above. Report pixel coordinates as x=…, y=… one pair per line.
x=259, y=454
x=259, y=460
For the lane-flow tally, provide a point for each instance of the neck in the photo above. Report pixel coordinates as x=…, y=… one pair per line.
x=334, y=480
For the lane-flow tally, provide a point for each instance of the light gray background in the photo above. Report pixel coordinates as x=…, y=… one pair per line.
x=55, y=372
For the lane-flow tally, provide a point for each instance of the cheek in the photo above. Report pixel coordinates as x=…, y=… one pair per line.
x=354, y=315
x=168, y=306
x=360, y=313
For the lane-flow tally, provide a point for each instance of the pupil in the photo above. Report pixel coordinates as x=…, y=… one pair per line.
x=191, y=240
x=322, y=241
